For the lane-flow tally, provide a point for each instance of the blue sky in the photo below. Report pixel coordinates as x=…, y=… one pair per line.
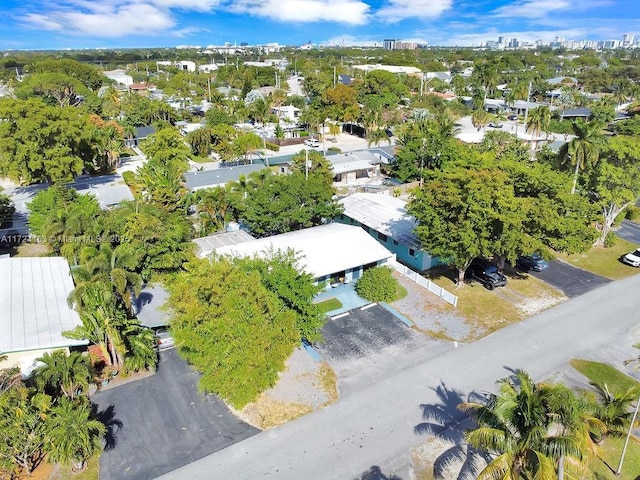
x=54, y=24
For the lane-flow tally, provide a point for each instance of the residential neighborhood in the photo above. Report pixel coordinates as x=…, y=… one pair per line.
x=363, y=263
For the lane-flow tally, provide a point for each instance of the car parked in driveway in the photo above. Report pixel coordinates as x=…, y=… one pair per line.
x=312, y=142
x=165, y=340
x=512, y=117
x=533, y=262
x=486, y=273
x=632, y=258
x=495, y=125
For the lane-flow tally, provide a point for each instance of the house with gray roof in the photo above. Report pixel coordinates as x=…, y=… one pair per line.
x=219, y=177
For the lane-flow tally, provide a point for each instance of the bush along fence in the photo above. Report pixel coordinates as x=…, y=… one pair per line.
x=426, y=283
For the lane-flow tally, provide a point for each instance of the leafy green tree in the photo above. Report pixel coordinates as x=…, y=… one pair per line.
x=282, y=275
x=73, y=435
x=43, y=143
x=231, y=328
x=200, y=141
x=7, y=208
x=54, y=88
x=284, y=203
x=377, y=285
x=504, y=146
x=214, y=208
x=90, y=76
x=465, y=213
x=513, y=426
x=615, y=181
x=63, y=374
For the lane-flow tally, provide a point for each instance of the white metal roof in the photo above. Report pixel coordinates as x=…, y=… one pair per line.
x=33, y=304
x=324, y=250
x=208, y=244
x=384, y=214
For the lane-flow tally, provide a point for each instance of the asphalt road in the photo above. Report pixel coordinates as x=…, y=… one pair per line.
x=571, y=280
x=375, y=426
x=161, y=422
x=629, y=231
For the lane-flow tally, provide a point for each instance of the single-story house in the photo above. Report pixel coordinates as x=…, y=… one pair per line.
x=219, y=177
x=385, y=218
x=110, y=196
x=287, y=112
x=210, y=243
x=575, y=113
x=34, y=311
x=331, y=253
x=140, y=134
x=120, y=76
x=344, y=79
x=353, y=169
x=563, y=81
x=444, y=76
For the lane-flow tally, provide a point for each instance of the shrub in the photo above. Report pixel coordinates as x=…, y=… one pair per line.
x=632, y=213
x=304, y=134
x=377, y=285
x=334, y=149
x=129, y=178
x=272, y=146
x=610, y=240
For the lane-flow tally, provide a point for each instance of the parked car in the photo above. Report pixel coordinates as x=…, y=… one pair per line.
x=165, y=340
x=532, y=262
x=495, y=125
x=632, y=258
x=512, y=117
x=486, y=273
x=312, y=142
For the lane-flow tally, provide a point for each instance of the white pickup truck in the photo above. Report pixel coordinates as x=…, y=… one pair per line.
x=632, y=258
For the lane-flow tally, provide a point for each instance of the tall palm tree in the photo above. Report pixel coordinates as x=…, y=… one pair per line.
x=583, y=151
x=73, y=435
x=538, y=121
x=613, y=408
x=480, y=118
x=66, y=374
x=513, y=426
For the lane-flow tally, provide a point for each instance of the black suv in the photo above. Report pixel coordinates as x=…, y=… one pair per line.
x=486, y=273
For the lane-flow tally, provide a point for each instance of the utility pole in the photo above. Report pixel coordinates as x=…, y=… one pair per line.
x=209, y=87
x=626, y=442
x=306, y=164
x=526, y=109
x=334, y=77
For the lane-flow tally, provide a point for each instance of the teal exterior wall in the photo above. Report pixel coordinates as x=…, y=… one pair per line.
x=415, y=259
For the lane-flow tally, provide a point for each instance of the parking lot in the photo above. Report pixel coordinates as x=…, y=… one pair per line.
x=571, y=280
x=161, y=422
x=368, y=345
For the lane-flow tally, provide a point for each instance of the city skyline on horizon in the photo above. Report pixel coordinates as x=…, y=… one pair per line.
x=91, y=24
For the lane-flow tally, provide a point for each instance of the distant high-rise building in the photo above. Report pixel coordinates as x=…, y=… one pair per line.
x=500, y=40
x=389, y=44
x=628, y=38
x=405, y=45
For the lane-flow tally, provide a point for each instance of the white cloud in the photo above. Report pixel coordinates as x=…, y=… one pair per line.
x=531, y=8
x=42, y=22
x=350, y=12
x=397, y=10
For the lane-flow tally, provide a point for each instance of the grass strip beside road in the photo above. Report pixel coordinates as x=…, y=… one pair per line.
x=604, y=465
x=604, y=261
x=602, y=373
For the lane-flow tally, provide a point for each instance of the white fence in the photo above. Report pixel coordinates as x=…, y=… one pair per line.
x=426, y=283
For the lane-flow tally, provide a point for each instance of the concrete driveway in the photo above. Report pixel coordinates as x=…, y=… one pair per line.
x=571, y=280
x=630, y=231
x=161, y=422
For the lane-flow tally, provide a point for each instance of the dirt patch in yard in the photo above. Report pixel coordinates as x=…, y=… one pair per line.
x=304, y=386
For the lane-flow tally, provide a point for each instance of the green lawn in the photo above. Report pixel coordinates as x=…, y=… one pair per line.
x=604, y=261
x=609, y=457
x=401, y=292
x=330, y=305
x=198, y=159
x=602, y=373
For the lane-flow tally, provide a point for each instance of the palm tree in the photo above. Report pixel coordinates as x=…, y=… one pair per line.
x=513, y=427
x=613, y=408
x=538, y=120
x=334, y=129
x=584, y=150
x=141, y=348
x=109, y=265
x=66, y=374
x=480, y=118
x=73, y=435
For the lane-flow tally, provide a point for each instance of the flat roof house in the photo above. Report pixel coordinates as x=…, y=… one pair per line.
x=34, y=310
x=219, y=177
x=385, y=218
x=330, y=253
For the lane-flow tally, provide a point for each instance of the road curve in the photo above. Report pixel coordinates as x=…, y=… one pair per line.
x=376, y=424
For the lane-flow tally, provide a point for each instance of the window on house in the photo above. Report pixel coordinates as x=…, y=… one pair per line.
x=382, y=237
x=395, y=242
x=412, y=252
